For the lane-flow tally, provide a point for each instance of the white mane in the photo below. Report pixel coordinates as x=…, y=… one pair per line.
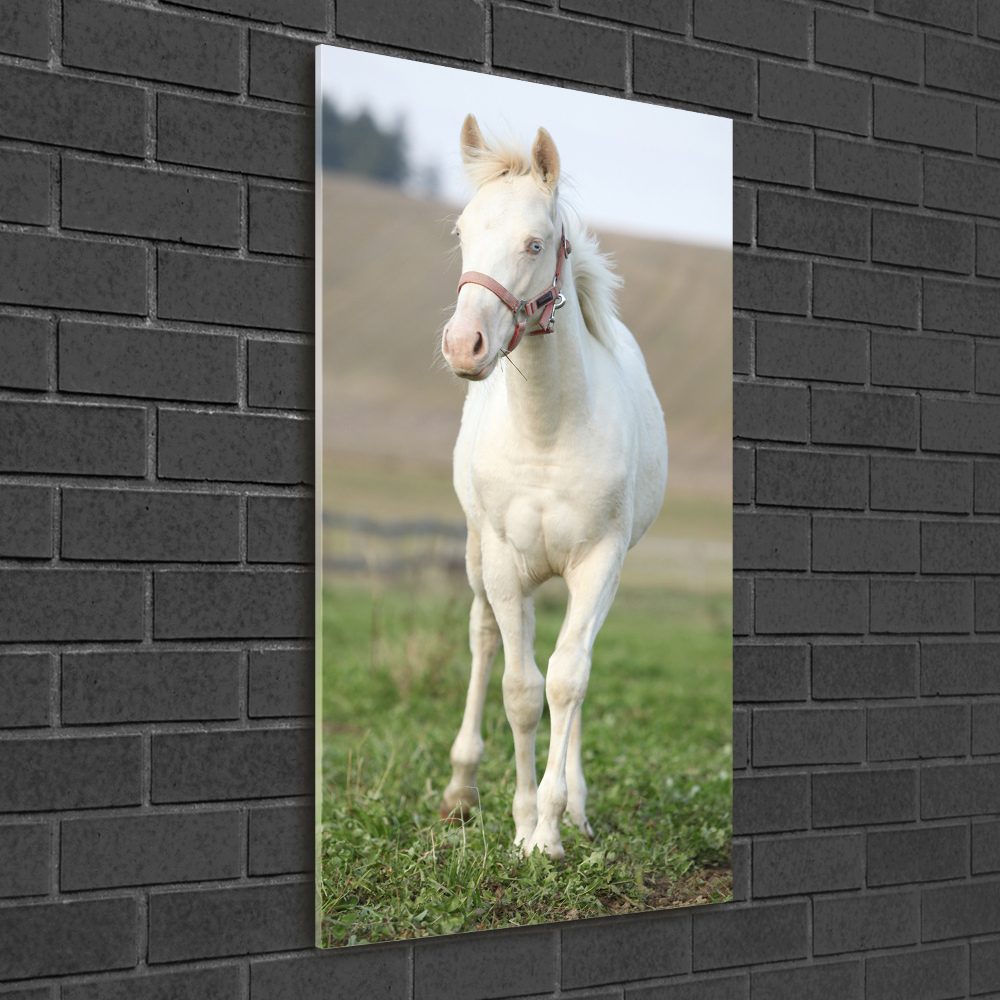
x=595, y=282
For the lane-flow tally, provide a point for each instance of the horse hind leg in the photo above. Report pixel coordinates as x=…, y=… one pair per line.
x=576, y=786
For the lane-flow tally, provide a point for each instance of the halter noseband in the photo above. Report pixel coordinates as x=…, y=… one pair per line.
x=548, y=301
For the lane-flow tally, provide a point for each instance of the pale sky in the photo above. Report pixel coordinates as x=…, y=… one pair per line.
x=627, y=166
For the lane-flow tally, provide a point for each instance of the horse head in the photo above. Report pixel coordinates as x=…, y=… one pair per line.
x=509, y=236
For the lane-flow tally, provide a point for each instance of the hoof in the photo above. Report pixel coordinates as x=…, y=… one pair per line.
x=460, y=813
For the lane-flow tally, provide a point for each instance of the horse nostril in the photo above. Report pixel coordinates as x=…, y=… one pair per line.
x=480, y=346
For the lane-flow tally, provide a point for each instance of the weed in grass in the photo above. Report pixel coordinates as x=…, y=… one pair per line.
x=657, y=755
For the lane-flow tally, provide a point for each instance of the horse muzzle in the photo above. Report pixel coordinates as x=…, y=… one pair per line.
x=466, y=349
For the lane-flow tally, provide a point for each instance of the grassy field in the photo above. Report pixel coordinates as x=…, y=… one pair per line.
x=657, y=757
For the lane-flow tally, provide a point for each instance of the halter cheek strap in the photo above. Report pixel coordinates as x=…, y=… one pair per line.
x=545, y=303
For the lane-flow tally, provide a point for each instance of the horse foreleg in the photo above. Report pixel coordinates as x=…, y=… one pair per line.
x=467, y=750
x=592, y=585
x=576, y=786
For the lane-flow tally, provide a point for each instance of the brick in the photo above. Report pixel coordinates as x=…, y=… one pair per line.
x=905, y=115
x=959, y=790
x=812, y=225
x=987, y=496
x=808, y=736
x=864, y=418
x=770, y=673
x=239, y=138
x=539, y=43
x=715, y=988
x=743, y=474
x=281, y=683
x=785, y=866
x=607, y=952
x=777, y=155
x=988, y=133
x=859, y=43
x=921, y=605
x=962, y=186
x=24, y=187
x=957, y=425
x=859, y=923
x=851, y=798
x=867, y=171
x=869, y=545
x=43, y=774
x=26, y=522
x=770, y=284
x=898, y=857
x=384, y=972
x=988, y=21
x=742, y=344
x=985, y=847
x=985, y=731
x=45, y=605
x=922, y=241
x=829, y=979
x=953, y=64
x=903, y=732
x=770, y=541
x=294, y=13
x=53, y=271
x=929, y=974
x=280, y=530
x=219, y=983
x=134, y=201
x=24, y=860
x=149, y=850
x=811, y=97
x=867, y=296
x=987, y=606
x=864, y=671
x=921, y=484
x=741, y=739
x=93, y=935
x=960, y=307
x=281, y=375
x=69, y=111
x=798, y=606
x=130, y=41
x=234, y=447
x=664, y=15
x=451, y=28
x=281, y=840
x=806, y=479
x=985, y=955
x=150, y=526
x=25, y=29
x=761, y=25
x=770, y=412
x=988, y=368
x=24, y=351
x=961, y=910
x=988, y=251
x=959, y=15
x=743, y=209
x=678, y=71
x=235, y=292
x=25, y=681
x=741, y=871
x=741, y=606
x=253, y=764
x=770, y=804
x=155, y=686
x=228, y=605
x=151, y=363
x=818, y=352
x=965, y=547
x=281, y=221
x=244, y=920
x=960, y=668
x=725, y=937
x=921, y=362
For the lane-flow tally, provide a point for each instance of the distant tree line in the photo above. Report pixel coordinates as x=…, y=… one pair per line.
x=356, y=145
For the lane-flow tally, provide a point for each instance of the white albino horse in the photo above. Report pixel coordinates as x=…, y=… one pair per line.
x=560, y=465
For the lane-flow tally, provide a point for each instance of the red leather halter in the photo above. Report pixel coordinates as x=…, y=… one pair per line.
x=547, y=302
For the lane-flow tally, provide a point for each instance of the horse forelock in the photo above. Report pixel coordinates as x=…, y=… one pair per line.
x=501, y=158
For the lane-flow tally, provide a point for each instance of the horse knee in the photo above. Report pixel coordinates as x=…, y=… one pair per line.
x=567, y=677
x=523, y=697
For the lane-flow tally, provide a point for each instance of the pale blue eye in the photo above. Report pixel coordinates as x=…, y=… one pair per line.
x=535, y=247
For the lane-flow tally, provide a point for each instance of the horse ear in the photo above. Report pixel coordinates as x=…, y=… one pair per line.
x=472, y=139
x=545, y=160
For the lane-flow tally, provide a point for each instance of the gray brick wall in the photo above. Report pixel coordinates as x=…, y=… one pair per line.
x=156, y=321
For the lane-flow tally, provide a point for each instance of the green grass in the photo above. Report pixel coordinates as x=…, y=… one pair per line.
x=657, y=757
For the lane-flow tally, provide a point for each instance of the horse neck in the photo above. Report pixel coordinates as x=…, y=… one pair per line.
x=551, y=384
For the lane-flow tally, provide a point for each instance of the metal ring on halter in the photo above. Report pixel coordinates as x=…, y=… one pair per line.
x=560, y=302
